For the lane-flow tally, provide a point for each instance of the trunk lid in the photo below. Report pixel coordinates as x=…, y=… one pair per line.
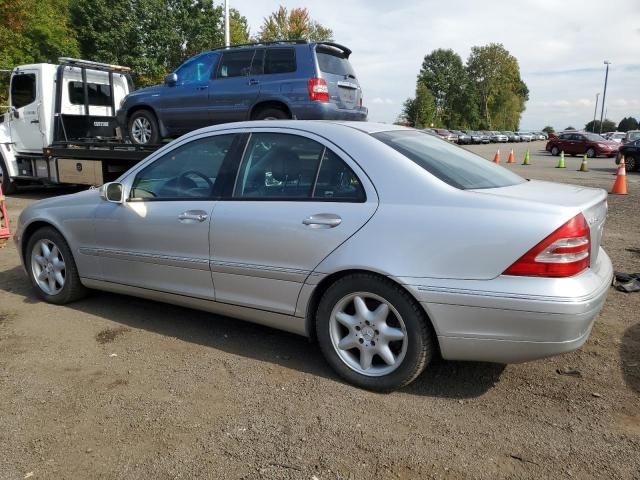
x=335, y=69
x=591, y=202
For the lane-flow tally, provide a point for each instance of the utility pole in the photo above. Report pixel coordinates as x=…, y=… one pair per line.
x=227, y=40
x=593, y=125
x=604, y=93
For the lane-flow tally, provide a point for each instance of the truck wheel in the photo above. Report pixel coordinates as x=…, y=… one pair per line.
x=271, y=114
x=143, y=128
x=8, y=187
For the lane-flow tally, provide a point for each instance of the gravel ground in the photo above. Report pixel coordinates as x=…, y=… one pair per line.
x=122, y=388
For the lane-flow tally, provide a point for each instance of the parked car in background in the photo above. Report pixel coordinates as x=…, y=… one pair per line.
x=282, y=224
x=542, y=136
x=631, y=152
x=430, y=131
x=272, y=81
x=463, y=138
x=486, y=136
x=524, y=136
x=579, y=143
x=499, y=137
x=511, y=136
x=446, y=134
x=476, y=137
x=617, y=137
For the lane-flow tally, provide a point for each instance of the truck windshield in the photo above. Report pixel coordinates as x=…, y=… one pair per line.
x=451, y=164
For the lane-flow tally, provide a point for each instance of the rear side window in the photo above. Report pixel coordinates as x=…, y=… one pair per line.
x=280, y=60
x=334, y=62
x=451, y=164
x=336, y=181
x=235, y=64
x=99, y=94
x=23, y=90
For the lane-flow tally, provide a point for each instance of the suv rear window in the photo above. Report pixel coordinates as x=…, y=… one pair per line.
x=334, y=62
x=451, y=164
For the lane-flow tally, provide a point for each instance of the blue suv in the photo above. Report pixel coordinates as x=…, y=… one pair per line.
x=276, y=80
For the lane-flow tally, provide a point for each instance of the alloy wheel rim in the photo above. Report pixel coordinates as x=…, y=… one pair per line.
x=141, y=130
x=368, y=334
x=48, y=267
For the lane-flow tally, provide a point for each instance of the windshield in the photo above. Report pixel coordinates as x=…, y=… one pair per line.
x=633, y=136
x=451, y=164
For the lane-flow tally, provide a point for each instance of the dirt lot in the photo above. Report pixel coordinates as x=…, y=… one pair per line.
x=116, y=387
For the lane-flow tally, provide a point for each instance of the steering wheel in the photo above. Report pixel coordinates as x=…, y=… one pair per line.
x=184, y=176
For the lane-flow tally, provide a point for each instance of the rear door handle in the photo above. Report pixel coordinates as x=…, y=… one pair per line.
x=202, y=87
x=253, y=81
x=322, y=220
x=191, y=216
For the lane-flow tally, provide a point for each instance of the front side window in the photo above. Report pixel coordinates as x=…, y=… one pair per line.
x=23, y=89
x=99, y=94
x=451, y=164
x=278, y=165
x=197, y=69
x=187, y=172
x=235, y=64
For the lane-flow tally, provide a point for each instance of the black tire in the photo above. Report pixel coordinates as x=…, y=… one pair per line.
x=8, y=187
x=72, y=289
x=420, y=341
x=591, y=153
x=555, y=151
x=141, y=119
x=631, y=163
x=271, y=113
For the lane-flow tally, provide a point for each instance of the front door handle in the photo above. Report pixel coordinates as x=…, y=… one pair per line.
x=322, y=220
x=35, y=121
x=191, y=216
x=253, y=81
x=202, y=87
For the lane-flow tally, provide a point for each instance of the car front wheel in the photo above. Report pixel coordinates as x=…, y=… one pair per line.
x=591, y=153
x=631, y=163
x=373, y=333
x=51, y=267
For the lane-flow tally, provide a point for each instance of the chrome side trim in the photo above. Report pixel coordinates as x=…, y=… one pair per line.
x=262, y=271
x=279, y=321
x=181, y=262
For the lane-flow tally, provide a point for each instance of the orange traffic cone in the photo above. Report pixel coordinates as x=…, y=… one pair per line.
x=620, y=184
x=496, y=159
x=510, y=159
x=5, y=231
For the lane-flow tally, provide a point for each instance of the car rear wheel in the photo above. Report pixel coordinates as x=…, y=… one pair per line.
x=51, y=267
x=143, y=128
x=373, y=333
x=271, y=114
x=555, y=151
x=591, y=152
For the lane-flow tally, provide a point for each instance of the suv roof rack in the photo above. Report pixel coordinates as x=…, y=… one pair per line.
x=342, y=48
x=77, y=62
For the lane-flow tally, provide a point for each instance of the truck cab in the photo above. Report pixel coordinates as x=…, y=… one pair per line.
x=56, y=105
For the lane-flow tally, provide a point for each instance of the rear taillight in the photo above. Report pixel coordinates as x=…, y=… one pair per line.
x=318, y=90
x=564, y=253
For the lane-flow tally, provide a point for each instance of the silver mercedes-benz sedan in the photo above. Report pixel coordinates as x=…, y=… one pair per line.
x=385, y=244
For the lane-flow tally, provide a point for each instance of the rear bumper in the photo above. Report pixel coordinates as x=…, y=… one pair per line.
x=327, y=111
x=515, y=319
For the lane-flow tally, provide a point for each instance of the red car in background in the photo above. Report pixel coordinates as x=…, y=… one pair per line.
x=579, y=143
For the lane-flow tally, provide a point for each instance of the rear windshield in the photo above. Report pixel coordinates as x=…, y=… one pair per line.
x=334, y=62
x=451, y=164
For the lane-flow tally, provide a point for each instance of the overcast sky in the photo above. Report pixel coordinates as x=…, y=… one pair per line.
x=560, y=45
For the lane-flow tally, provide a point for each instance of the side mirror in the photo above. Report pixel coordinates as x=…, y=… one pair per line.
x=14, y=112
x=171, y=79
x=112, y=192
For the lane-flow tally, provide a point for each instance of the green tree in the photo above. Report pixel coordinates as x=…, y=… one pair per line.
x=548, y=129
x=293, y=25
x=607, y=126
x=238, y=27
x=420, y=111
x=628, y=123
x=501, y=93
x=444, y=75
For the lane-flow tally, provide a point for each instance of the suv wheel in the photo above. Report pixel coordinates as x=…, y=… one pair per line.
x=143, y=128
x=8, y=187
x=631, y=163
x=271, y=114
x=591, y=152
x=373, y=333
x=555, y=151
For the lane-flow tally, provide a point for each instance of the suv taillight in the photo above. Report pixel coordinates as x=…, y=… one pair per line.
x=318, y=90
x=564, y=253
